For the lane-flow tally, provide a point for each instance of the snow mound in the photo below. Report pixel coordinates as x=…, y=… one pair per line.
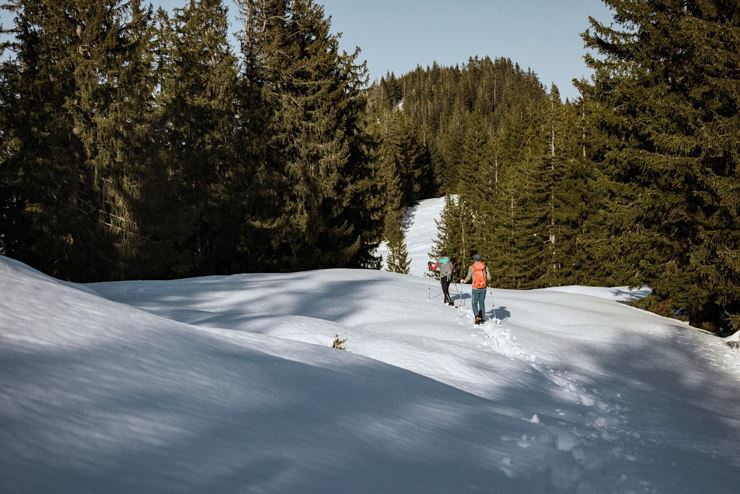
x=617, y=294
x=228, y=384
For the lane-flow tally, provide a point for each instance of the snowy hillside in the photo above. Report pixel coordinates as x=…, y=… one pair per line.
x=229, y=384
x=421, y=232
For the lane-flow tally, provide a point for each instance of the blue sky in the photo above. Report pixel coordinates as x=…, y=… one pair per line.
x=543, y=35
x=398, y=35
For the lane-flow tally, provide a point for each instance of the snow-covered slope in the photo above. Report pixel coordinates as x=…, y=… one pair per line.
x=228, y=384
x=421, y=231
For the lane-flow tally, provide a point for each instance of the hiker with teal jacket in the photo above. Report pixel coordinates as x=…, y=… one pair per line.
x=446, y=268
x=479, y=274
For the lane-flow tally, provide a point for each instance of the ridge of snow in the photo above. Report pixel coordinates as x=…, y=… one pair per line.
x=616, y=293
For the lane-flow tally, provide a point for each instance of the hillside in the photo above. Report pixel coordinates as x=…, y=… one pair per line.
x=229, y=384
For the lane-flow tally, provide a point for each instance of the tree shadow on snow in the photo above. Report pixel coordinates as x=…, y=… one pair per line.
x=643, y=414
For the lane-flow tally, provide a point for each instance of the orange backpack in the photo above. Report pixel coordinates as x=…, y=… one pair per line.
x=479, y=275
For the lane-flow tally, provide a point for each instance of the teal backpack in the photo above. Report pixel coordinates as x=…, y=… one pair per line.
x=445, y=267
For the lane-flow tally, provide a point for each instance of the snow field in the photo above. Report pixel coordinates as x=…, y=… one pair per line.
x=229, y=384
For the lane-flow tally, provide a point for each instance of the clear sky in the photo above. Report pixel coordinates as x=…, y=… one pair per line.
x=397, y=35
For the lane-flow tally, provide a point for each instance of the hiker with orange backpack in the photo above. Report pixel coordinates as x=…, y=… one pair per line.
x=479, y=274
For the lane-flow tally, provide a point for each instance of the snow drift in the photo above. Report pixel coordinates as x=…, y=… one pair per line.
x=229, y=384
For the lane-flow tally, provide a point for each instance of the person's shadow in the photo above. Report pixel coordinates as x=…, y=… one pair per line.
x=499, y=313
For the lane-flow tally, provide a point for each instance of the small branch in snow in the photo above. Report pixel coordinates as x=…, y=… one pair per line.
x=338, y=343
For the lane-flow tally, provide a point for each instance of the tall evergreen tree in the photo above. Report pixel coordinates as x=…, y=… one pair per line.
x=314, y=96
x=198, y=75
x=111, y=113
x=53, y=218
x=398, y=256
x=666, y=94
x=453, y=232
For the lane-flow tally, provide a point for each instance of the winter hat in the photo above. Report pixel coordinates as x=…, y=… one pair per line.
x=476, y=257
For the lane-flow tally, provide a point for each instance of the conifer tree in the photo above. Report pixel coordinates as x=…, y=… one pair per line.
x=453, y=232
x=111, y=112
x=390, y=157
x=314, y=97
x=398, y=256
x=198, y=74
x=264, y=223
x=53, y=215
x=665, y=94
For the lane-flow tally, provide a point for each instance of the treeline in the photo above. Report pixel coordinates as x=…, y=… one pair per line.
x=637, y=182
x=140, y=144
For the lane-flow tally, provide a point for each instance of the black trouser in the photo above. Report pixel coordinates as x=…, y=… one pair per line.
x=446, y=289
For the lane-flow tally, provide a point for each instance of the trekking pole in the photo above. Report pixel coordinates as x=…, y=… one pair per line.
x=429, y=288
x=459, y=294
x=493, y=306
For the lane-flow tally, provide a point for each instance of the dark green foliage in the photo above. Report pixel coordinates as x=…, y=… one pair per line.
x=64, y=87
x=197, y=73
x=453, y=233
x=132, y=146
x=398, y=256
x=665, y=98
x=509, y=151
x=112, y=116
x=315, y=138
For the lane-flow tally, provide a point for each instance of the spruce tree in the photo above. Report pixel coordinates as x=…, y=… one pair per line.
x=398, y=256
x=453, y=232
x=314, y=97
x=665, y=94
x=111, y=112
x=53, y=214
x=197, y=75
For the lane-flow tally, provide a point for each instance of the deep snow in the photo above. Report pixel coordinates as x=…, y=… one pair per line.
x=229, y=384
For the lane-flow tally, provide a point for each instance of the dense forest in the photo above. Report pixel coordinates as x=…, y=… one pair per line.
x=140, y=144
x=137, y=143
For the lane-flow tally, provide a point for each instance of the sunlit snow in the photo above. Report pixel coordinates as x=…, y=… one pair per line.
x=228, y=384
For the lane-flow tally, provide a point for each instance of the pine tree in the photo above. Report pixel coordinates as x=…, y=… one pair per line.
x=111, y=114
x=453, y=232
x=197, y=74
x=53, y=214
x=389, y=159
x=398, y=256
x=314, y=96
x=665, y=94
